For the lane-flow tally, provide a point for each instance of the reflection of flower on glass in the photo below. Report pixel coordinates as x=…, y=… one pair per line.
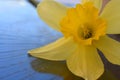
x=84, y=30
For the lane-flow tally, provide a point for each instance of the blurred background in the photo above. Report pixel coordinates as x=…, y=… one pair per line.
x=21, y=30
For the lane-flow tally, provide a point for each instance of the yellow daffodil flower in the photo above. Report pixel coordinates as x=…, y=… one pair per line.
x=84, y=28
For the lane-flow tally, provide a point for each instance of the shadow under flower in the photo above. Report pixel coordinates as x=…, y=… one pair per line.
x=59, y=68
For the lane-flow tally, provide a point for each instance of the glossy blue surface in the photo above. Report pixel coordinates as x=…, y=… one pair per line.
x=22, y=30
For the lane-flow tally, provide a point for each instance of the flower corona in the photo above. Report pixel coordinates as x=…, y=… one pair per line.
x=83, y=24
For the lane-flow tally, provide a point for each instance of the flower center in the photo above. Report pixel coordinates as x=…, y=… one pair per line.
x=85, y=32
x=83, y=24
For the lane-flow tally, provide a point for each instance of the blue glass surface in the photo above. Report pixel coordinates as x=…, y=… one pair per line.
x=22, y=30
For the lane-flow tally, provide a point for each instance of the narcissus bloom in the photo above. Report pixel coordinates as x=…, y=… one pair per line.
x=84, y=28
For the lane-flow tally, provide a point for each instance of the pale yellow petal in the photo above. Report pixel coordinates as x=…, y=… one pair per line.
x=111, y=14
x=97, y=3
x=86, y=63
x=58, y=50
x=110, y=49
x=51, y=12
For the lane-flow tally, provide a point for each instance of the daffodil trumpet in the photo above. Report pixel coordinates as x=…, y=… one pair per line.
x=84, y=30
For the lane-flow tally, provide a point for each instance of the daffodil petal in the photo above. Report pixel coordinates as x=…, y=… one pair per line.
x=86, y=63
x=58, y=50
x=97, y=3
x=111, y=14
x=110, y=49
x=51, y=12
